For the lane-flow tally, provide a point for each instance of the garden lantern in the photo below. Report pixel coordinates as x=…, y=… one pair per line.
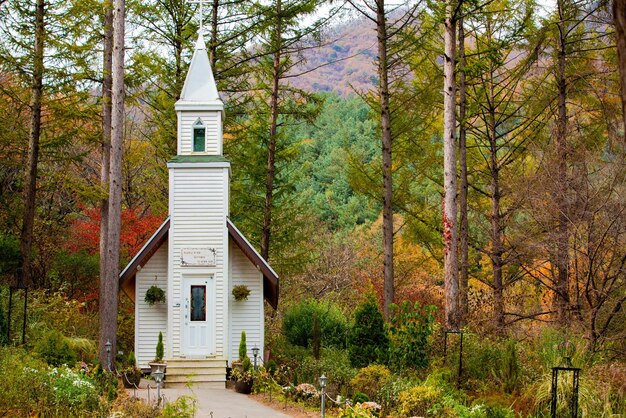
x=108, y=346
x=158, y=378
x=323, y=380
x=255, y=353
x=568, y=352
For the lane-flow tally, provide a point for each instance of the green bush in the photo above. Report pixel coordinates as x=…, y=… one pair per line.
x=3, y=319
x=360, y=397
x=367, y=340
x=411, y=327
x=334, y=363
x=417, y=400
x=246, y=364
x=298, y=324
x=55, y=349
x=159, y=349
x=390, y=392
x=370, y=379
x=184, y=407
x=243, y=349
x=493, y=365
x=48, y=311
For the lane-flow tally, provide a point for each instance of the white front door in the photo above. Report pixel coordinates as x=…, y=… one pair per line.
x=198, y=316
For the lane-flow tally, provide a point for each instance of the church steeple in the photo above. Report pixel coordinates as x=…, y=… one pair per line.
x=199, y=84
x=200, y=109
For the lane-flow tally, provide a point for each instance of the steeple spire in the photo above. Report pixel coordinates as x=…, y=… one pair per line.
x=200, y=85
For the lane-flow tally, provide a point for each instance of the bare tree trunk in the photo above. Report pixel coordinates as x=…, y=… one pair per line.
x=213, y=43
x=619, y=20
x=463, y=221
x=271, y=148
x=449, y=215
x=561, y=300
x=106, y=134
x=30, y=172
x=387, y=144
x=497, y=247
x=109, y=286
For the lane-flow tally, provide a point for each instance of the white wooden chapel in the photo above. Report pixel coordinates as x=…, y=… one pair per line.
x=197, y=255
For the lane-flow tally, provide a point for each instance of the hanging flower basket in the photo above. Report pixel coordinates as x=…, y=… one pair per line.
x=154, y=294
x=241, y=292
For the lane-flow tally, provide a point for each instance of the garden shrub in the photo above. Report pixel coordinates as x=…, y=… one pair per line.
x=3, y=318
x=21, y=392
x=27, y=386
x=272, y=367
x=48, y=311
x=128, y=406
x=184, y=407
x=417, y=400
x=73, y=391
x=298, y=324
x=360, y=397
x=55, y=349
x=367, y=341
x=390, y=392
x=84, y=348
x=410, y=329
x=264, y=382
x=370, y=379
x=159, y=349
x=305, y=392
x=334, y=363
x=360, y=410
x=243, y=349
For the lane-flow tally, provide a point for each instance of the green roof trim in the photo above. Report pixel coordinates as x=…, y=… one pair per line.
x=198, y=159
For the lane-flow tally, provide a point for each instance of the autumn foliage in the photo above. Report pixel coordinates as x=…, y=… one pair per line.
x=137, y=228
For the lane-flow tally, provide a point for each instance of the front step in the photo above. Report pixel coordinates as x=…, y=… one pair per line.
x=201, y=373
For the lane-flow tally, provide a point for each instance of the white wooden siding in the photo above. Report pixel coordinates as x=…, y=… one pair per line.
x=150, y=320
x=245, y=315
x=198, y=209
x=213, y=124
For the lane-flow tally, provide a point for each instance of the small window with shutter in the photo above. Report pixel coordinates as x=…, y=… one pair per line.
x=199, y=136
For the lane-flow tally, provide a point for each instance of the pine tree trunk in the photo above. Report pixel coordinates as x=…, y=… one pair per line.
x=561, y=299
x=463, y=221
x=213, y=43
x=271, y=147
x=619, y=20
x=449, y=215
x=30, y=172
x=497, y=246
x=106, y=134
x=109, y=287
x=385, y=121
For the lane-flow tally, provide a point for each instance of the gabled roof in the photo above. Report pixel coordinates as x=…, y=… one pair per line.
x=270, y=278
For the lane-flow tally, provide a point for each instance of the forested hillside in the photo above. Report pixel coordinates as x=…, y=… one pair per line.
x=337, y=133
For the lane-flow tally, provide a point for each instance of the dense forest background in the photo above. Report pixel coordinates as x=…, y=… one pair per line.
x=543, y=145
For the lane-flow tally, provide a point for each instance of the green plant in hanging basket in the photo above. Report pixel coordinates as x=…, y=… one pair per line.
x=154, y=294
x=241, y=292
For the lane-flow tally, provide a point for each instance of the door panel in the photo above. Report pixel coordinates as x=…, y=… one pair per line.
x=198, y=319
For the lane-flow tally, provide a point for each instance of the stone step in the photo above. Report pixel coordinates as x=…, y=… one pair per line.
x=206, y=363
x=195, y=385
x=195, y=370
x=181, y=378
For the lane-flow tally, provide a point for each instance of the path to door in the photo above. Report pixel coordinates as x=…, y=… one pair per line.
x=216, y=403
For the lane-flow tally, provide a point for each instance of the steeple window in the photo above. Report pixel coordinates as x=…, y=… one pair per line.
x=199, y=136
